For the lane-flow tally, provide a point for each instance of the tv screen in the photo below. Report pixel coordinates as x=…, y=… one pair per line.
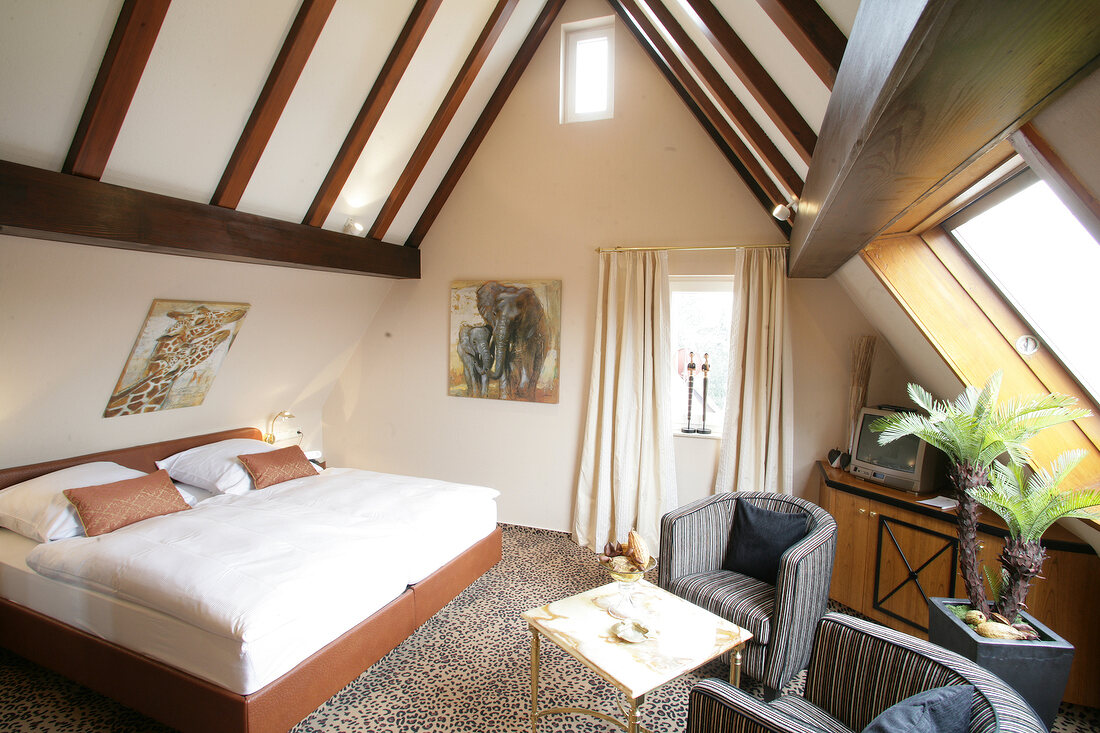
x=899, y=455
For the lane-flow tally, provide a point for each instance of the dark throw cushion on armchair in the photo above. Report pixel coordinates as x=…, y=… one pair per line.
x=759, y=537
x=939, y=710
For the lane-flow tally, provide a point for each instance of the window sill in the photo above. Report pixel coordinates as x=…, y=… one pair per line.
x=697, y=436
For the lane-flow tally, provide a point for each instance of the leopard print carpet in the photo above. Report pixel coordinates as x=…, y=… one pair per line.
x=467, y=669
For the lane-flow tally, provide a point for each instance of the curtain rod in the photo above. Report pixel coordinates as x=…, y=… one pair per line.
x=601, y=250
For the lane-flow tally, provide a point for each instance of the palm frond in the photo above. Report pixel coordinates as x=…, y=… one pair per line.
x=924, y=399
x=902, y=424
x=1004, y=495
x=1030, y=507
x=996, y=581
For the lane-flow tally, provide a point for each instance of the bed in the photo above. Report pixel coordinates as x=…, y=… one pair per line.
x=166, y=664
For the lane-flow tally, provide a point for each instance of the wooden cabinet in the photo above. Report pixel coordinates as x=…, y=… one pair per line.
x=893, y=554
x=851, y=515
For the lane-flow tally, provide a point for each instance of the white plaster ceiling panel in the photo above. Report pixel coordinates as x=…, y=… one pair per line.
x=843, y=13
x=739, y=90
x=519, y=25
x=433, y=68
x=207, y=68
x=50, y=51
x=355, y=42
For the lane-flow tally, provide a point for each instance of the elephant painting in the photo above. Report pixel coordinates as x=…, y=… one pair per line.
x=504, y=338
x=520, y=337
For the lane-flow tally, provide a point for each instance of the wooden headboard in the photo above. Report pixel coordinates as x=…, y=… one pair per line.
x=140, y=457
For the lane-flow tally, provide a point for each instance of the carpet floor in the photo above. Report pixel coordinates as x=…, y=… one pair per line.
x=466, y=669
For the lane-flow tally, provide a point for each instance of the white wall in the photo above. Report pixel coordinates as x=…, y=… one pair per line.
x=921, y=360
x=535, y=202
x=69, y=315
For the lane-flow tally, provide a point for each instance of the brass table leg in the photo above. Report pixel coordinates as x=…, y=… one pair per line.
x=632, y=714
x=534, y=679
x=735, y=668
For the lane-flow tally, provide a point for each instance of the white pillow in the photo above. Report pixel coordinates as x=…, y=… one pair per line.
x=192, y=494
x=214, y=466
x=38, y=510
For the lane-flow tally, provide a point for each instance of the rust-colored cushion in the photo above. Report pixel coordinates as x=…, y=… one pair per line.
x=277, y=466
x=106, y=507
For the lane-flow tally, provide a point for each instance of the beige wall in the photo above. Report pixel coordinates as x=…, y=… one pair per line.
x=537, y=199
x=69, y=315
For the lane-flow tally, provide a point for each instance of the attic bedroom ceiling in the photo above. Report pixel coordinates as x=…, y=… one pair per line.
x=258, y=131
x=311, y=112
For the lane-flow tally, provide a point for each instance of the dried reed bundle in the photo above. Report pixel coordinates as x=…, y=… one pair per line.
x=863, y=353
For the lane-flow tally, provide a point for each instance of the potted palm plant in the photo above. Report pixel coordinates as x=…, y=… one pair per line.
x=974, y=431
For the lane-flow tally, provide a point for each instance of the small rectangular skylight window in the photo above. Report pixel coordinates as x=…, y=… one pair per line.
x=587, y=70
x=1045, y=263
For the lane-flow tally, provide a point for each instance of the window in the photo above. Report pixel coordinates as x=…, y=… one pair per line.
x=587, y=71
x=700, y=313
x=1044, y=263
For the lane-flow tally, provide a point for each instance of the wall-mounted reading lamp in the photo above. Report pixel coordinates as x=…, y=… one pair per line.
x=279, y=425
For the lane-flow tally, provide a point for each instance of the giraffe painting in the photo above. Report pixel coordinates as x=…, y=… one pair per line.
x=176, y=356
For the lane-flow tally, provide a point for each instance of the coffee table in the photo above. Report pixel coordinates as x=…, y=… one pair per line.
x=682, y=637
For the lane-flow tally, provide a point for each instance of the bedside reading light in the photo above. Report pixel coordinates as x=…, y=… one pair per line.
x=279, y=425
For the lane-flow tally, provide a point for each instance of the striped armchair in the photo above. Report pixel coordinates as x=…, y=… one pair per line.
x=781, y=617
x=859, y=669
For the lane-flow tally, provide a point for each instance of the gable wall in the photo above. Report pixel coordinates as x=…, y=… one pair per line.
x=536, y=201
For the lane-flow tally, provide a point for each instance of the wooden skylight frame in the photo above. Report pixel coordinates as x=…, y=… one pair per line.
x=971, y=325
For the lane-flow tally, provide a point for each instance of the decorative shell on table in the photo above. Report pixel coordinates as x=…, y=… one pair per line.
x=631, y=631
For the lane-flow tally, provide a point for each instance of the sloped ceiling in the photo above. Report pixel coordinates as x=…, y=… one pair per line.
x=311, y=112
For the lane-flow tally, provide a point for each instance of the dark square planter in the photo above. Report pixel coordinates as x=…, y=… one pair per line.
x=1038, y=670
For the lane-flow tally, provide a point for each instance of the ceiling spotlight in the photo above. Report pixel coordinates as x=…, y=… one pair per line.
x=351, y=226
x=784, y=212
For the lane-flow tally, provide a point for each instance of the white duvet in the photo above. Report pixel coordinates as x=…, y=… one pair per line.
x=327, y=550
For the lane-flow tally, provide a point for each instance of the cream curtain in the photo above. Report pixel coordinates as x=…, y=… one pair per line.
x=628, y=475
x=757, y=438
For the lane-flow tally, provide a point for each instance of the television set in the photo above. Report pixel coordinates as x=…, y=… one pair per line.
x=907, y=463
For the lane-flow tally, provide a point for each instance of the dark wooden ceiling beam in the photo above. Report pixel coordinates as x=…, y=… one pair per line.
x=494, y=26
x=292, y=58
x=681, y=79
x=927, y=87
x=384, y=86
x=124, y=62
x=480, y=129
x=46, y=205
x=752, y=74
x=812, y=33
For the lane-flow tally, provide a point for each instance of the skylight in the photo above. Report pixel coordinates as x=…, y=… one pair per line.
x=1046, y=264
x=587, y=89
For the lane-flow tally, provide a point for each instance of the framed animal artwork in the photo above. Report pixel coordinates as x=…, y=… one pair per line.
x=176, y=356
x=505, y=339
